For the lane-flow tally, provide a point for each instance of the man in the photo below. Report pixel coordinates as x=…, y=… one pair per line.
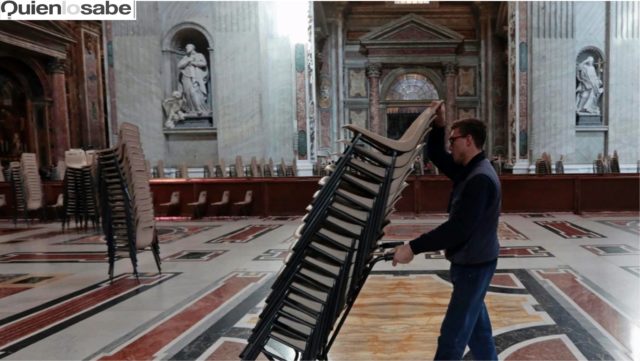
x=469, y=237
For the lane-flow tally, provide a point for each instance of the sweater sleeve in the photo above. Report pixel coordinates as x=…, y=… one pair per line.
x=461, y=223
x=438, y=155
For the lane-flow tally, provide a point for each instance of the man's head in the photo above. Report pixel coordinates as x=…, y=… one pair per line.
x=190, y=48
x=467, y=139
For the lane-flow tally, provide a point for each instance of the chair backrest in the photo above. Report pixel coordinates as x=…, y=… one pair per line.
x=202, y=198
x=60, y=200
x=175, y=197
x=3, y=201
x=225, y=197
x=248, y=196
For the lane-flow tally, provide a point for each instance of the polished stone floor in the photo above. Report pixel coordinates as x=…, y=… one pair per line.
x=567, y=288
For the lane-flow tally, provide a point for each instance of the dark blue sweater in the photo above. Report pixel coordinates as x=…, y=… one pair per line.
x=469, y=236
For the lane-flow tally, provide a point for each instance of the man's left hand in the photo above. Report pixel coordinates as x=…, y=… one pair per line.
x=402, y=254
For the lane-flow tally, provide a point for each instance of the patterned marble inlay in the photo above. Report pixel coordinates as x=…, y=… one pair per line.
x=28, y=327
x=505, y=252
x=616, y=324
x=537, y=215
x=627, y=225
x=11, y=284
x=194, y=256
x=273, y=255
x=5, y=231
x=406, y=232
x=166, y=234
x=551, y=348
x=632, y=269
x=611, y=249
x=55, y=257
x=245, y=234
x=280, y=218
x=507, y=232
x=178, y=325
x=568, y=230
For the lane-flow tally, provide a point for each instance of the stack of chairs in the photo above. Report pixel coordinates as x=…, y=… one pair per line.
x=27, y=187
x=20, y=206
x=79, y=189
x=125, y=198
x=337, y=245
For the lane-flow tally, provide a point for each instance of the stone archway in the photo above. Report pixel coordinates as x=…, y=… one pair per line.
x=23, y=113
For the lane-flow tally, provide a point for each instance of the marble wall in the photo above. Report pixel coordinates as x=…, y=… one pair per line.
x=624, y=67
x=252, y=80
x=560, y=31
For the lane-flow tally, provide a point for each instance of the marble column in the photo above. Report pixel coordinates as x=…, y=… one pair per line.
x=59, y=113
x=486, y=38
x=450, y=73
x=373, y=73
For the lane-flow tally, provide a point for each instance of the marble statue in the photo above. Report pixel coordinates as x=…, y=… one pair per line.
x=193, y=79
x=589, y=89
x=172, y=108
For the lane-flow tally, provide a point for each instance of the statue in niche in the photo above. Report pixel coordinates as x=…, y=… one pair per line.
x=193, y=81
x=589, y=89
x=172, y=108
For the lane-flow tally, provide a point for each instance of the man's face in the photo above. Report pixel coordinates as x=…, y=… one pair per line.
x=459, y=145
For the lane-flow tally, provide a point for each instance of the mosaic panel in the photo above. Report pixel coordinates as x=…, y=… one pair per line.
x=568, y=230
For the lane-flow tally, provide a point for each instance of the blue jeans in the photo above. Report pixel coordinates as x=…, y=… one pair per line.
x=467, y=320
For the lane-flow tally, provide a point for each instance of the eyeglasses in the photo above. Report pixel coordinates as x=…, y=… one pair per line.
x=453, y=139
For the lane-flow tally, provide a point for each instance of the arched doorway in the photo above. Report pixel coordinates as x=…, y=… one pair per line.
x=23, y=113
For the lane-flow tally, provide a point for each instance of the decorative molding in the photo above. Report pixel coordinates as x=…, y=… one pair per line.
x=56, y=65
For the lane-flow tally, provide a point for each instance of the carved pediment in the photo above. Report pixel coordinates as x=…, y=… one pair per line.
x=411, y=28
x=44, y=37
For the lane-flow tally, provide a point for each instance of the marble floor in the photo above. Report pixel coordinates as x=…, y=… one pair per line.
x=567, y=288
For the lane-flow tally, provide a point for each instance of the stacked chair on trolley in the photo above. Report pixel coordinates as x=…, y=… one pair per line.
x=337, y=245
x=26, y=186
x=125, y=199
x=79, y=189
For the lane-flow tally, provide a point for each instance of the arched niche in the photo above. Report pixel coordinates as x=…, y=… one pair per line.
x=174, y=45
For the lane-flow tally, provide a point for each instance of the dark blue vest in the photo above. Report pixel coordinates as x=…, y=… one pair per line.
x=482, y=246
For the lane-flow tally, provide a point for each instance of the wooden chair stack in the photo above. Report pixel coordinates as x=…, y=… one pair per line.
x=79, y=190
x=125, y=198
x=337, y=245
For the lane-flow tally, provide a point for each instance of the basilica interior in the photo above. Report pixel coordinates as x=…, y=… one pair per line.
x=164, y=180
